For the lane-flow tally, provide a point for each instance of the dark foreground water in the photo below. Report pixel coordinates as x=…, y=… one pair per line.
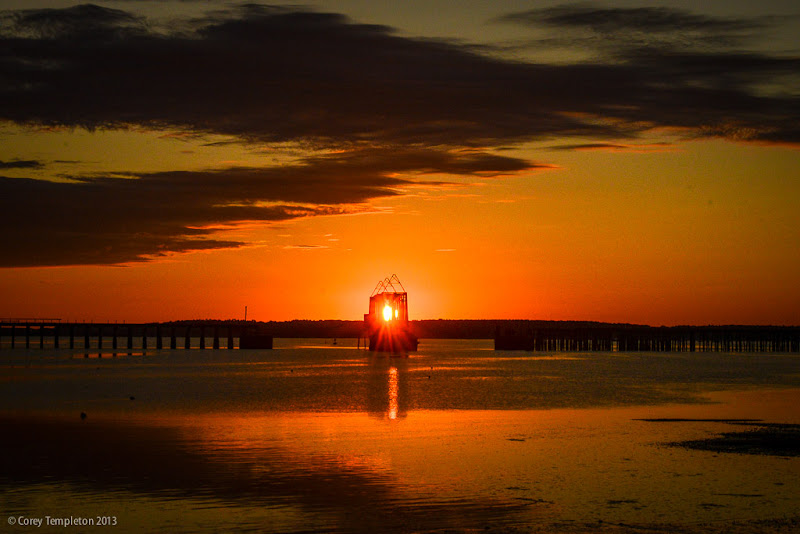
x=311, y=437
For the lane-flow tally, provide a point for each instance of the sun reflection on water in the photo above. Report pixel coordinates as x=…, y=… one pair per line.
x=393, y=393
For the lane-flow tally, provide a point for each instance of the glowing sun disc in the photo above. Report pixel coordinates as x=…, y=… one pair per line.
x=387, y=313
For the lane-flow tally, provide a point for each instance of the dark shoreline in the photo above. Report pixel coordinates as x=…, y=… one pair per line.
x=462, y=328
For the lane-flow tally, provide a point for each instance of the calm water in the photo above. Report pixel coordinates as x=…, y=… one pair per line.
x=313, y=437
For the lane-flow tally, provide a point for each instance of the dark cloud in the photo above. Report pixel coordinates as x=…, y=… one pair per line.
x=677, y=69
x=21, y=164
x=124, y=217
x=270, y=75
x=84, y=22
x=274, y=75
x=394, y=105
x=426, y=161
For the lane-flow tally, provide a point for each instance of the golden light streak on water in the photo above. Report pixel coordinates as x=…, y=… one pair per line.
x=393, y=393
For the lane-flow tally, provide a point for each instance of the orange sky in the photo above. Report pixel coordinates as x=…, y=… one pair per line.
x=657, y=214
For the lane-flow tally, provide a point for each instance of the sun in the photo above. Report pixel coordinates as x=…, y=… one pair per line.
x=387, y=313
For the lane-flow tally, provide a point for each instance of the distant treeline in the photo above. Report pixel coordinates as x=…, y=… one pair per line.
x=423, y=329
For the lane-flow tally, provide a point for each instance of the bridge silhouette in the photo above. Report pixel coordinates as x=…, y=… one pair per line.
x=52, y=333
x=525, y=335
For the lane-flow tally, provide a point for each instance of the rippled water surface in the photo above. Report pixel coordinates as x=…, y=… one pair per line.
x=316, y=437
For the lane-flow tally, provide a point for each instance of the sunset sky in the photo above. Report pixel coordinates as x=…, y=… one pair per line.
x=611, y=161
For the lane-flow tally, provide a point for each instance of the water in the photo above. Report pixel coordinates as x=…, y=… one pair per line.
x=314, y=437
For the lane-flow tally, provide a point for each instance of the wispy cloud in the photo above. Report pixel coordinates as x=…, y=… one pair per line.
x=21, y=164
x=616, y=147
x=613, y=20
x=306, y=247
